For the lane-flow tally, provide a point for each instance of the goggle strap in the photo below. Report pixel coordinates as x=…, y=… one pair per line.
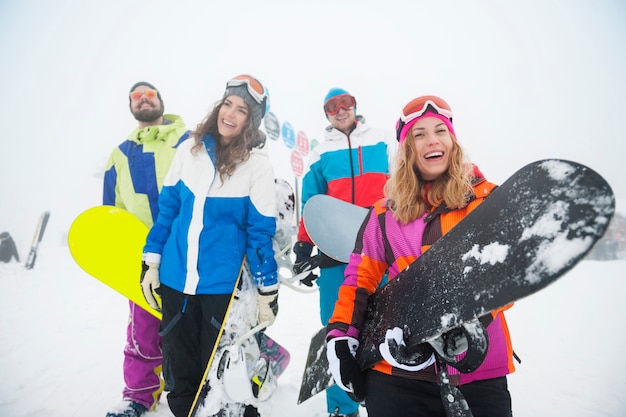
x=401, y=124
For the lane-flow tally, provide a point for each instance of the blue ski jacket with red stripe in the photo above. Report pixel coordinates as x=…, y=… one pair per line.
x=353, y=167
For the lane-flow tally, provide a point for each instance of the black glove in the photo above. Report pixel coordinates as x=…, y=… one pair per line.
x=304, y=262
x=308, y=265
x=344, y=367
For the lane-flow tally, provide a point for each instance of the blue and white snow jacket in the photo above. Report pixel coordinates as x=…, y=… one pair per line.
x=206, y=227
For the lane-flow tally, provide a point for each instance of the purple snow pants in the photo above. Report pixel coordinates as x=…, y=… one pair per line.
x=142, y=358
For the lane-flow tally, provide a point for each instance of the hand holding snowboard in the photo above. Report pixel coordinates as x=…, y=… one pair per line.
x=395, y=351
x=341, y=352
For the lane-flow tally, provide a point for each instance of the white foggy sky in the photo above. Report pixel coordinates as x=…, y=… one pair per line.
x=526, y=79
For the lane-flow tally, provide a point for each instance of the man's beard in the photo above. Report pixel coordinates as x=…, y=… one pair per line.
x=148, y=115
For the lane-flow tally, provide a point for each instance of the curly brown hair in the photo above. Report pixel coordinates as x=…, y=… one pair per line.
x=237, y=151
x=408, y=195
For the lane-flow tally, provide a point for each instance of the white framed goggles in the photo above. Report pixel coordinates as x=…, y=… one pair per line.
x=254, y=86
x=417, y=107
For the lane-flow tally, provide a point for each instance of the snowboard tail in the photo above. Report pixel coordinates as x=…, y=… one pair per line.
x=107, y=243
x=316, y=376
x=39, y=231
x=334, y=235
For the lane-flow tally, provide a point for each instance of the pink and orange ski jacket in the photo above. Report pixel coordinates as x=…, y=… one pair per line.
x=370, y=261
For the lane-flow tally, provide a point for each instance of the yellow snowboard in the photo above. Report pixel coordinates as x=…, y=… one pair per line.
x=107, y=243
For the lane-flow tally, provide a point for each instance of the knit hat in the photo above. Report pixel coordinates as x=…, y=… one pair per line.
x=237, y=87
x=428, y=106
x=147, y=84
x=334, y=92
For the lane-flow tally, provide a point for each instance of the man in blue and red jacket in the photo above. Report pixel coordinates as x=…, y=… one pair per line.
x=352, y=164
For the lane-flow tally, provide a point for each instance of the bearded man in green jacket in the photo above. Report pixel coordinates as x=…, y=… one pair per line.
x=133, y=179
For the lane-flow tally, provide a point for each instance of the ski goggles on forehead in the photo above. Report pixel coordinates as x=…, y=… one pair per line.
x=420, y=105
x=136, y=95
x=343, y=101
x=417, y=108
x=255, y=88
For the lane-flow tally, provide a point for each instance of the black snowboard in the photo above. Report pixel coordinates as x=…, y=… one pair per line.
x=530, y=231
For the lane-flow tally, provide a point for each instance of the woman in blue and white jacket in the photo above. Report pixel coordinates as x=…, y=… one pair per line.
x=216, y=207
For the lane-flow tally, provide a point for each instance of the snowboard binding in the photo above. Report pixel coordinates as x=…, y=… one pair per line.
x=454, y=403
x=470, y=338
x=243, y=381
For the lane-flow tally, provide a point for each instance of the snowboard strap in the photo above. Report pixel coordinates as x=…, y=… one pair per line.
x=427, y=239
x=389, y=258
x=454, y=403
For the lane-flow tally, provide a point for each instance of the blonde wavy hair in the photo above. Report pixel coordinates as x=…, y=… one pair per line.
x=408, y=196
x=237, y=151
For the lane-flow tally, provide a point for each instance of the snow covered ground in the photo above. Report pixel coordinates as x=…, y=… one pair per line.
x=62, y=334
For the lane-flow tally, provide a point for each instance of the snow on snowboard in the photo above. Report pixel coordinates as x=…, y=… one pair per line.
x=107, y=243
x=238, y=373
x=530, y=231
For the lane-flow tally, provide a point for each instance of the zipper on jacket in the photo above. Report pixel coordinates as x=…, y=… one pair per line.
x=351, y=169
x=360, y=151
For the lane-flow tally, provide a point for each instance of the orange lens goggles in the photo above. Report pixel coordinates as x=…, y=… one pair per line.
x=255, y=88
x=418, y=107
x=136, y=95
x=342, y=101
